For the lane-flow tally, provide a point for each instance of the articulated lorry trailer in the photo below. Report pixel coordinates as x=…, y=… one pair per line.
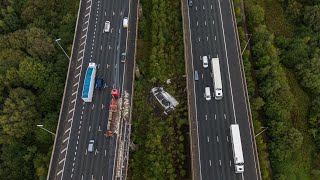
x=88, y=84
x=237, y=148
x=216, y=78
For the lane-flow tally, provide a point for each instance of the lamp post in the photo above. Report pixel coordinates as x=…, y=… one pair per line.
x=246, y=43
x=41, y=126
x=57, y=41
x=264, y=129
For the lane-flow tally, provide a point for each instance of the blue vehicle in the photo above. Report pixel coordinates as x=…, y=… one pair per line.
x=88, y=84
x=99, y=83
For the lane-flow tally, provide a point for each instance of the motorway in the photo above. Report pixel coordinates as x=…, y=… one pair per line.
x=83, y=122
x=212, y=34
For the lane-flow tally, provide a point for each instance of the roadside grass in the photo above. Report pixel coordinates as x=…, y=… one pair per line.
x=300, y=166
x=275, y=18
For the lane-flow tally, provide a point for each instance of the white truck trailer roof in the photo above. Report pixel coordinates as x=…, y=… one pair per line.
x=88, y=84
x=216, y=78
x=237, y=146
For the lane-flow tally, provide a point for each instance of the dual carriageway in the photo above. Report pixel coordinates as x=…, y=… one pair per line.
x=212, y=33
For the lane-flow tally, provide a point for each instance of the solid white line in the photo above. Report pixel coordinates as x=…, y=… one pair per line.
x=195, y=97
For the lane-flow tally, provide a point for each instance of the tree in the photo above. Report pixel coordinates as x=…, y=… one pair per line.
x=19, y=113
x=39, y=44
x=33, y=73
x=296, y=52
x=257, y=103
x=13, y=164
x=311, y=17
x=255, y=16
x=10, y=58
x=310, y=73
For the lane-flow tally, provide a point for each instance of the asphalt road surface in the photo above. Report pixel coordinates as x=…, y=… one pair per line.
x=213, y=35
x=88, y=121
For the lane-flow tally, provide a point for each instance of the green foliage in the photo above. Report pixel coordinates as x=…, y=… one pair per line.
x=311, y=17
x=160, y=140
x=280, y=103
x=255, y=15
x=32, y=75
x=15, y=161
x=310, y=73
x=19, y=113
x=295, y=52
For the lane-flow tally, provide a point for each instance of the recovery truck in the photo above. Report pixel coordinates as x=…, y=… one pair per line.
x=113, y=113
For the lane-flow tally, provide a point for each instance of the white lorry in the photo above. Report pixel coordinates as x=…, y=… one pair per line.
x=88, y=84
x=237, y=148
x=216, y=78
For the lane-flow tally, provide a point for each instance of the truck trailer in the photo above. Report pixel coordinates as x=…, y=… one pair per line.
x=88, y=84
x=216, y=78
x=237, y=148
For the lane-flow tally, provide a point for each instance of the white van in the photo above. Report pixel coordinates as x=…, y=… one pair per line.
x=125, y=22
x=107, y=26
x=207, y=93
x=205, y=61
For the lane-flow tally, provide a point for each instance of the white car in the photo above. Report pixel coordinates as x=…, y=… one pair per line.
x=106, y=26
x=205, y=61
x=125, y=22
x=90, y=145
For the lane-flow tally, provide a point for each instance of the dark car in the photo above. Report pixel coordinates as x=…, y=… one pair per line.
x=99, y=83
x=123, y=57
x=190, y=2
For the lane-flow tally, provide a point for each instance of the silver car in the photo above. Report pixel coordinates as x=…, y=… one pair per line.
x=196, y=75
